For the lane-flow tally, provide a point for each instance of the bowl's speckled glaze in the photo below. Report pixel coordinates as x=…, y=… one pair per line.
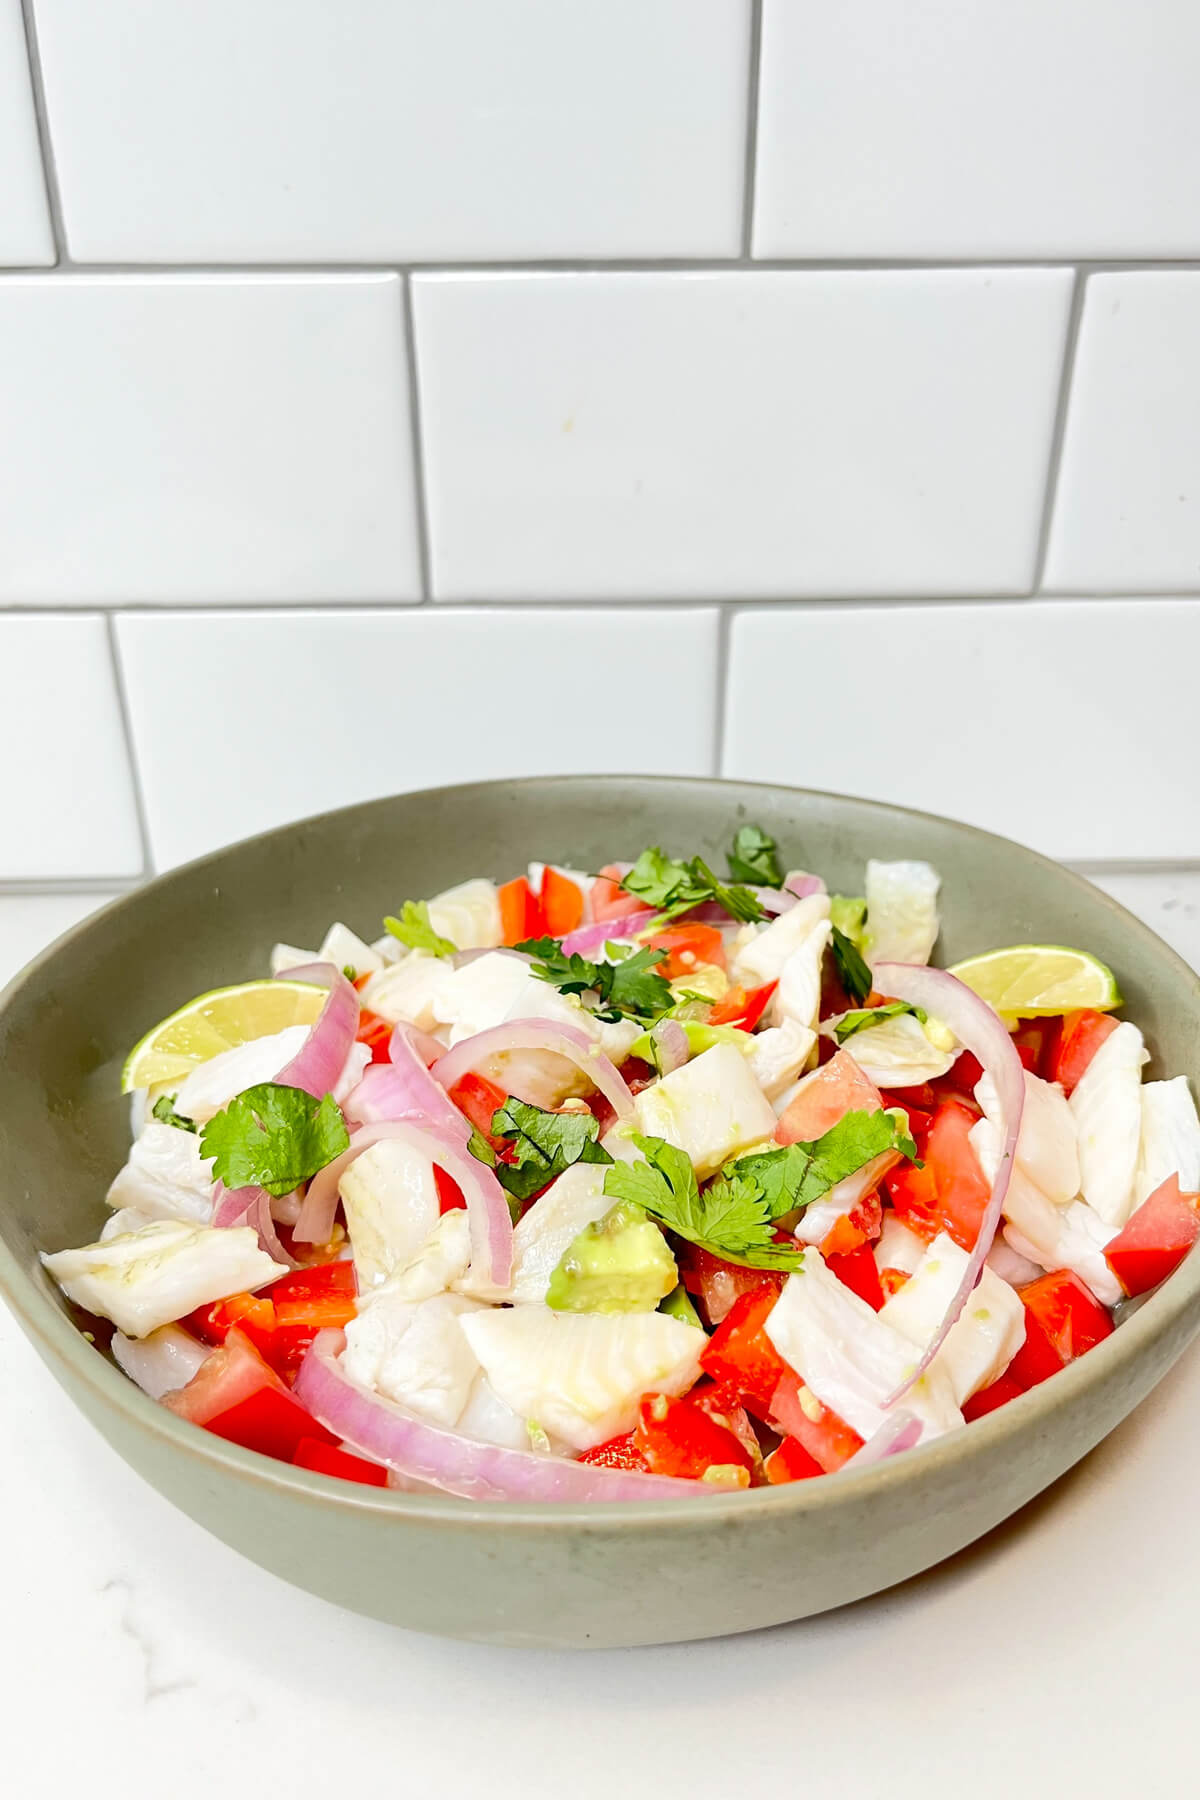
x=514, y=1574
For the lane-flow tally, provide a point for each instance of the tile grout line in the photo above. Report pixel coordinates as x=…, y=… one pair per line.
x=1059, y=432
x=750, y=170
x=721, y=711
x=417, y=438
x=615, y=265
x=45, y=142
x=48, y=887
x=135, y=768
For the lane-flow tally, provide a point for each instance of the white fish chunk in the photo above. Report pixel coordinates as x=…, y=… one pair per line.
x=902, y=912
x=391, y=1201
x=414, y=1352
x=1107, y=1108
x=154, y=1276
x=987, y=1333
x=763, y=953
x=165, y=1176
x=711, y=1108
x=1170, y=1142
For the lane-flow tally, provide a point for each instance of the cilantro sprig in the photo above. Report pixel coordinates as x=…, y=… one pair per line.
x=274, y=1137
x=752, y=858
x=164, y=1111
x=628, y=988
x=853, y=971
x=546, y=1144
x=673, y=887
x=864, y=1017
x=737, y=1214
x=413, y=928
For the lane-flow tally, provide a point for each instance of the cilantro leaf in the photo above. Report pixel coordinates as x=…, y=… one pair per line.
x=164, y=1111
x=414, y=929
x=753, y=858
x=274, y=1137
x=627, y=988
x=480, y=1149
x=862, y=1018
x=546, y=1144
x=730, y=1219
x=794, y=1176
x=854, y=973
x=674, y=887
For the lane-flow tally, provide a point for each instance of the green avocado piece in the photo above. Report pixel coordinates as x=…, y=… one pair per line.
x=849, y=915
x=619, y=1264
x=678, y=1304
x=700, y=1038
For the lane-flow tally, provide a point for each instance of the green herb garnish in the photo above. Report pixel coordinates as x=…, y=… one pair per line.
x=753, y=858
x=414, y=929
x=274, y=1137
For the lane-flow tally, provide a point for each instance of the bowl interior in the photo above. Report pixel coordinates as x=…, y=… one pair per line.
x=67, y=1023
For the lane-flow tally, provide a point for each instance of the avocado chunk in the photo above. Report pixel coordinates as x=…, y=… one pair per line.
x=619, y=1264
x=678, y=1305
x=849, y=915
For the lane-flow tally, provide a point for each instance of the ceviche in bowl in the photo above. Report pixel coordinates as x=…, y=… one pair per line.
x=667, y=1177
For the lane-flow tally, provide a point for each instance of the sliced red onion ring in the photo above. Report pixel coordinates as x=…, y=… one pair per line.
x=323, y=1055
x=537, y=1034
x=900, y=1431
x=589, y=938
x=404, y=1089
x=671, y=1045
x=774, y=900
x=982, y=1032
x=250, y=1206
x=463, y=1466
x=487, y=1203
x=802, y=885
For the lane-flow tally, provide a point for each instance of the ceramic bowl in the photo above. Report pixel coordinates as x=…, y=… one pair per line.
x=523, y=1574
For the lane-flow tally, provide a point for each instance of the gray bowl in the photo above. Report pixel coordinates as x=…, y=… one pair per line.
x=524, y=1574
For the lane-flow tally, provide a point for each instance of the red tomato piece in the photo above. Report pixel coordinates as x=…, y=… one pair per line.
x=1036, y=1042
x=858, y=1227
x=790, y=1462
x=450, y=1195
x=838, y=1087
x=951, y=1192
x=561, y=903
x=799, y=1414
x=856, y=1270
x=1081, y=1035
x=716, y=1283
x=376, y=1033
x=743, y=1007
x=892, y=1280
x=609, y=899
x=617, y=1453
x=331, y=1459
x=1063, y=1320
x=677, y=1437
x=520, y=912
x=236, y=1395
x=997, y=1393
x=1155, y=1239
x=740, y=1355
x=479, y=1100
x=686, y=947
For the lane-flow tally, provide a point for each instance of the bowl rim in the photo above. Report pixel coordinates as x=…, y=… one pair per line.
x=58, y=1340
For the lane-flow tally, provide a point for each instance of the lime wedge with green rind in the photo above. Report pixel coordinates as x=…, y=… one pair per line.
x=220, y=1020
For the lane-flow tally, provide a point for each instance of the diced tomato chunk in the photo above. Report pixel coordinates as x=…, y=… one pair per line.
x=609, y=899
x=617, y=1453
x=677, y=1437
x=857, y=1271
x=892, y=1280
x=520, y=911
x=997, y=1393
x=1155, y=1239
x=238, y=1397
x=838, y=1087
x=479, y=1100
x=717, y=1284
x=790, y=1462
x=1063, y=1320
x=799, y=1414
x=376, y=1033
x=450, y=1195
x=331, y=1459
x=740, y=1354
x=686, y=947
x=743, y=1007
x=861, y=1225
x=963, y=1076
x=951, y=1192
x=561, y=903
x=1081, y=1035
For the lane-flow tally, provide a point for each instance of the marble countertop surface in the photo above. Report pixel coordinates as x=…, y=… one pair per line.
x=140, y=1657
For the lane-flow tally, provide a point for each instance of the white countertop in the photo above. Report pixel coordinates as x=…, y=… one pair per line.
x=140, y=1657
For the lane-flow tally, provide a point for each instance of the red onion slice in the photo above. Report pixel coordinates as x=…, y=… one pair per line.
x=487, y=1204
x=457, y=1465
x=671, y=1045
x=323, y=1055
x=982, y=1032
x=404, y=1089
x=802, y=885
x=774, y=900
x=250, y=1206
x=537, y=1034
x=901, y=1431
x=589, y=938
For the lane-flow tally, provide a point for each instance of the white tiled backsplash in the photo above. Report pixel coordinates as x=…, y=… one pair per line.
x=395, y=391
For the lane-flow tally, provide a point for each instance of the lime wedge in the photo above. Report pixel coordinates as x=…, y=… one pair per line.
x=218, y=1021
x=1030, y=981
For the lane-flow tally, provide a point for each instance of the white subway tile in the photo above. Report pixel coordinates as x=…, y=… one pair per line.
x=1041, y=128
x=28, y=922
x=397, y=129
x=25, y=235
x=66, y=804
x=676, y=434
x=1068, y=725
x=192, y=438
x=1127, y=509
x=247, y=720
